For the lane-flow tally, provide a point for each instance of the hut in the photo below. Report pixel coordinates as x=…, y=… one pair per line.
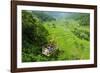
x=48, y=50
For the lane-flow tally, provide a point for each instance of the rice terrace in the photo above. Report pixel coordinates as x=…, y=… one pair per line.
x=55, y=36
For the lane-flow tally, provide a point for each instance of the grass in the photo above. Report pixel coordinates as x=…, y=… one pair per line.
x=73, y=47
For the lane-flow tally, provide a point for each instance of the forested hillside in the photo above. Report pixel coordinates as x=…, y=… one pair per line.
x=54, y=36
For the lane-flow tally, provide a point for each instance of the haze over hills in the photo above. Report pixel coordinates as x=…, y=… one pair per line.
x=53, y=14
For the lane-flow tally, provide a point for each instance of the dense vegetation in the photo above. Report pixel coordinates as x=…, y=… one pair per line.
x=69, y=33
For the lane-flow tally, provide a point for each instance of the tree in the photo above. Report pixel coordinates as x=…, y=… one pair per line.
x=32, y=30
x=82, y=18
x=33, y=36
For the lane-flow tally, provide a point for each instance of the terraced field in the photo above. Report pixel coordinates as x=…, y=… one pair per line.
x=72, y=46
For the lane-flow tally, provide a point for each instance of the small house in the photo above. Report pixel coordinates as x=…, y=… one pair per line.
x=48, y=50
